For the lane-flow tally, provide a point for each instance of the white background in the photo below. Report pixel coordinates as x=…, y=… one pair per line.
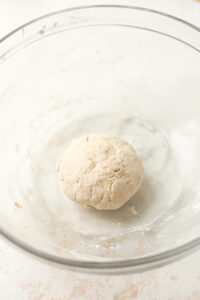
x=23, y=278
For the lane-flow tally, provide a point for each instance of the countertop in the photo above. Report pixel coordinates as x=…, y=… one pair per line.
x=24, y=278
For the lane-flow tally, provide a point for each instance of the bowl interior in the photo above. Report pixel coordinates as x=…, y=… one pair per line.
x=128, y=72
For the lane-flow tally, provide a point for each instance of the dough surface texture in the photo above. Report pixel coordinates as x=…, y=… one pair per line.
x=99, y=170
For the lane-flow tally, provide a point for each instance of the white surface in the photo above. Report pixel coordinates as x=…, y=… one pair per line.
x=24, y=278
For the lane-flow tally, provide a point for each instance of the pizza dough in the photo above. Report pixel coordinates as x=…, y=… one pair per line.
x=99, y=170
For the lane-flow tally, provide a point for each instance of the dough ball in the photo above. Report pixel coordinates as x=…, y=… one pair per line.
x=99, y=170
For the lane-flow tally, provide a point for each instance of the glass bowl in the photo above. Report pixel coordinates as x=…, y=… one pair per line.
x=124, y=70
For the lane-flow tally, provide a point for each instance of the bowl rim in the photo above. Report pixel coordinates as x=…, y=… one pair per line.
x=121, y=265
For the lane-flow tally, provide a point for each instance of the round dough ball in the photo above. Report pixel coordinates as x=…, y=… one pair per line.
x=101, y=171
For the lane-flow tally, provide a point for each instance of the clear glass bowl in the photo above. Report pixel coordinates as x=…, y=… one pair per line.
x=129, y=71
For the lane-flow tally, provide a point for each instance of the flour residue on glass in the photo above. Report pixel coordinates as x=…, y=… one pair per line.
x=163, y=208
